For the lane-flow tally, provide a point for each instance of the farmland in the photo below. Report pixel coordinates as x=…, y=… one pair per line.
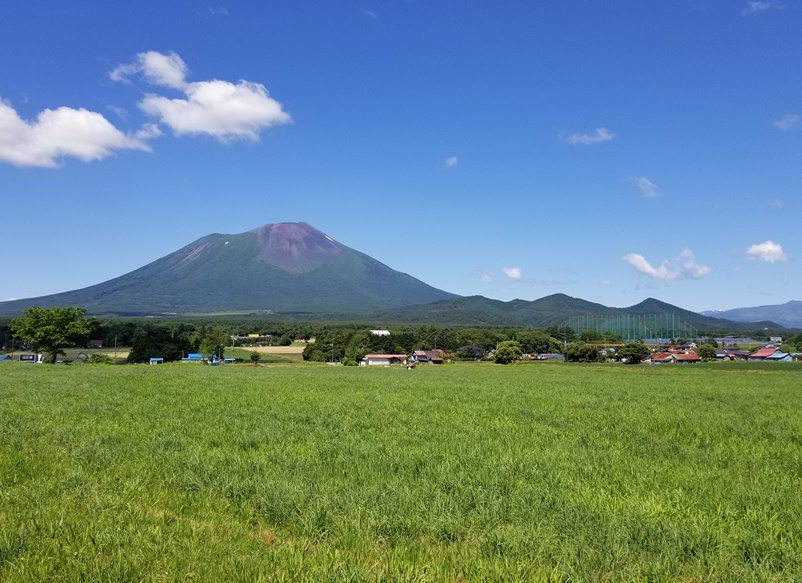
x=457, y=473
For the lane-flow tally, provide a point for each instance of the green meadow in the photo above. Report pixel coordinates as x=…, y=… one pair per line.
x=540, y=472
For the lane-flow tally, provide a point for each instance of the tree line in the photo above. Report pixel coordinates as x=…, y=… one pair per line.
x=52, y=329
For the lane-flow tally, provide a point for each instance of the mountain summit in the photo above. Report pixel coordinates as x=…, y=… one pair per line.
x=296, y=247
x=283, y=267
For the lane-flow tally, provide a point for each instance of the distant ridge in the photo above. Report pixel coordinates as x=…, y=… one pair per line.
x=788, y=314
x=283, y=267
x=553, y=310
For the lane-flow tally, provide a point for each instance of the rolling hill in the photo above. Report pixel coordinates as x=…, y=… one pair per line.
x=553, y=310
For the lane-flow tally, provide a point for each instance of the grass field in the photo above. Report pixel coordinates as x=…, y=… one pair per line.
x=546, y=472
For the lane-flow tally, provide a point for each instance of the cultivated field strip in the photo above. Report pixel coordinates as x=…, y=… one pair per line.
x=458, y=473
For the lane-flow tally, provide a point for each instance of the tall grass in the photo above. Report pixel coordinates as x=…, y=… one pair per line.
x=310, y=473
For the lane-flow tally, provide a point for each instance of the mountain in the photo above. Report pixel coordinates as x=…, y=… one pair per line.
x=292, y=269
x=282, y=268
x=788, y=314
x=553, y=310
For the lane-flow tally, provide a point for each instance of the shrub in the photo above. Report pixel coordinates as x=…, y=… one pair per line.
x=99, y=358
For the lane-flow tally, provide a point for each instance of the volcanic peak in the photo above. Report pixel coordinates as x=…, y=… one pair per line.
x=296, y=247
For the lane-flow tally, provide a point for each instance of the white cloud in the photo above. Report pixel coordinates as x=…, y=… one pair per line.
x=768, y=251
x=60, y=133
x=221, y=11
x=452, y=162
x=513, y=272
x=757, y=6
x=599, y=136
x=683, y=266
x=148, y=132
x=371, y=14
x=787, y=122
x=646, y=186
x=159, y=69
x=218, y=108
x=486, y=277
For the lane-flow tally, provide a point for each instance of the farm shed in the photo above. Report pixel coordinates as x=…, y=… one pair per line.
x=383, y=359
x=427, y=357
x=731, y=354
x=771, y=354
x=674, y=356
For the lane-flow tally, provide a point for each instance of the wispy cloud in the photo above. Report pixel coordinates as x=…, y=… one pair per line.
x=787, y=122
x=371, y=14
x=452, y=162
x=218, y=11
x=758, y=6
x=683, y=266
x=60, y=133
x=486, y=277
x=599, y=136
x=646, y=186
x=221, y=109
x=513, y=273
x=768, y=251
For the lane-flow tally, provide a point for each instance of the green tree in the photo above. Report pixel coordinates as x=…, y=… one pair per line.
x=170, y=341
x=795, y=341
x=508, y=352
x=538, y=342
x=214, y=341
x=634, y=352
x=706, y=352
x=99, y=358
x=255, y=357
x=53, y=329
x=579, y=351
x=564, y=334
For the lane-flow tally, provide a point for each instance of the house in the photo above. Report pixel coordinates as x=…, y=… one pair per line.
x=157, y=360
x=380, y=332
x=689, y=357
x=35, y=358
x=96, y=344
x=675, y=356
x=470, y=348
x=662, y=358
x=427, y=357
x=383, y=359
x=551, y=356
x=770, y=354
x=729, y=354
x=192, y=357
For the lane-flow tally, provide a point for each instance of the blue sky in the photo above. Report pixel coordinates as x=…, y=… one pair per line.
x=610, y=151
